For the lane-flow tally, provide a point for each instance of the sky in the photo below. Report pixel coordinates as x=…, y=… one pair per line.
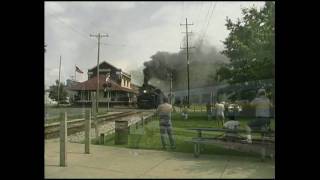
x=136, y=31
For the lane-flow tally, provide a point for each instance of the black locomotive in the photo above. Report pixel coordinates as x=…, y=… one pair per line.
x=149, y=97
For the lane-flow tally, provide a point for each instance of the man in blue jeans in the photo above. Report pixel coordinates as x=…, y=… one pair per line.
x=262, y=120
x=164, y=110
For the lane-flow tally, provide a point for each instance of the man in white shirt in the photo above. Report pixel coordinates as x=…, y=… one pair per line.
x=220, y=113
x=164, y=110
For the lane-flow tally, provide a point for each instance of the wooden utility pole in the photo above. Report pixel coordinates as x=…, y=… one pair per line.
x=187, y=39
x=171, y=88
x=75, y=72
x=59, y=82
x=99, y=36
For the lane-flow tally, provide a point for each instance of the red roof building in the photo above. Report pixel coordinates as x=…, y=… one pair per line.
x=112, y=81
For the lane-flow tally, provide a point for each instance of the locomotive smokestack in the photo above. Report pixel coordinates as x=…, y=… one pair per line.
x=145, y=81
x=146, y=75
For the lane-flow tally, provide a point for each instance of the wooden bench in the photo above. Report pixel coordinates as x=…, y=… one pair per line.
x=232, y=139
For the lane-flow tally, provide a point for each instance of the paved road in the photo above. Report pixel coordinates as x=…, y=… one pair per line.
x=113, y=162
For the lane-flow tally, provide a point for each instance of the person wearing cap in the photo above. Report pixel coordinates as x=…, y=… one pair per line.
x=262, y=106
x=233, y=110
x=220, y=113
x=164, y=110
x=185, y=113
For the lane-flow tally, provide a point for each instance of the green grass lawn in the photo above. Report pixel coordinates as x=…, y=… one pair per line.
x=148, y=137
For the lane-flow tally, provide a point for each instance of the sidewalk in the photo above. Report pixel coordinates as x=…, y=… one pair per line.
x=112, y=162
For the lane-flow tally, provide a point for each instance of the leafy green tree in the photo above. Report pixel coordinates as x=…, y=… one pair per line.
x=53, y=92
x=250, y=46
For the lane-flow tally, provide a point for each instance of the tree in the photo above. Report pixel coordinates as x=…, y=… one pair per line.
x=250, y=46
x=53, y=92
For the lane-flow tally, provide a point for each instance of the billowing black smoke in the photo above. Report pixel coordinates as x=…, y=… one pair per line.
x=204, y=61
x=161, y=66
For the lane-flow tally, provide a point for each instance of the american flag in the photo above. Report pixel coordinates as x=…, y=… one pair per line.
x=78, y=70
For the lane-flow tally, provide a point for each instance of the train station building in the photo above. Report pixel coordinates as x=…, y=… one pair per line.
x=112, y=81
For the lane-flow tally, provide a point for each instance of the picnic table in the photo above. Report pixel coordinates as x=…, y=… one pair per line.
x=232, y=139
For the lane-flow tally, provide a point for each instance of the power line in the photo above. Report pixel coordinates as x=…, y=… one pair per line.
x=182, y=13
x=207, y=12
x=85, y=33
x=210, y=17
x=199, y=10
x=82, y=33
x=73, y=28
x=195, y=9
x=201, y=30
x=197, y=18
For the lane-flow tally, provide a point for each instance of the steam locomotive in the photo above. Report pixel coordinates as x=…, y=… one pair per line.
x=149, y=97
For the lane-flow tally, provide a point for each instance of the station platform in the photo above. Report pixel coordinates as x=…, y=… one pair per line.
x=114, y=162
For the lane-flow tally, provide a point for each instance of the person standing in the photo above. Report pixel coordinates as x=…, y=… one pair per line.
x=231, y=112
x=164, y=110
x=209, y=110
x=220, y=113
x=185, y=113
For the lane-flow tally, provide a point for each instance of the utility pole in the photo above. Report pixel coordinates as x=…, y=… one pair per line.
x=59, y=82
x=75, y=72
x=99, y=36
x=187, y=39
x=171, y=88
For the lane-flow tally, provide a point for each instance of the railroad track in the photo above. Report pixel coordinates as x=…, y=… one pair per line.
x=77, y=125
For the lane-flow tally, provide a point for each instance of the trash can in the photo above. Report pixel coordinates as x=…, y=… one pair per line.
x=121, y=132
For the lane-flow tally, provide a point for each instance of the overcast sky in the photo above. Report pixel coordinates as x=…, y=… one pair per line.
x=136, y=30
